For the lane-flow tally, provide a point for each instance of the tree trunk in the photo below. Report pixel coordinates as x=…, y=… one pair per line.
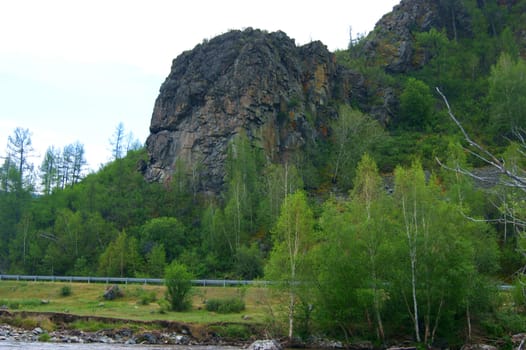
x=291, y=314
x=381, y=332
x=468, y=318
x=454, y=22
x=437, y=319
x=415, y=303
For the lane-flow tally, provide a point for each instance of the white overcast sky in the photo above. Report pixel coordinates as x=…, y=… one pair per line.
x=72, y=70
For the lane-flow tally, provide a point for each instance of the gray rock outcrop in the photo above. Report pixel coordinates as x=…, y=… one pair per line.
x=392, y=43
x=282, y=96
x=252, y=81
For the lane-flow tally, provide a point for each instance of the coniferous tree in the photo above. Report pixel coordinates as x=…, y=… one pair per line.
x=19, y=150
x=49, y=170
x=117, y=142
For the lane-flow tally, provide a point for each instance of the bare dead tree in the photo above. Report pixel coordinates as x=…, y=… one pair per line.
x=513, y=178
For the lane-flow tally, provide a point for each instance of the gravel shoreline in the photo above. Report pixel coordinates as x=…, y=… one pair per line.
x=105, y=336
x=126, y=336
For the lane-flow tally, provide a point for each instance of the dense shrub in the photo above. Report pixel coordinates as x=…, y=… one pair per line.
x=65, y=291
x=178, y=282
x=144, y=297
x=236, y=331
x=225, y=306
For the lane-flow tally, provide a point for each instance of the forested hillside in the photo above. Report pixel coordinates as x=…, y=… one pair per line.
x=343, y=188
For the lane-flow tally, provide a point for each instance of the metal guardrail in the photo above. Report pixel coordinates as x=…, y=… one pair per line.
x=127, y=280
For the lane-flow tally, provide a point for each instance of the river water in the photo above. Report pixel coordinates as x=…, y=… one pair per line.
x=4, y=345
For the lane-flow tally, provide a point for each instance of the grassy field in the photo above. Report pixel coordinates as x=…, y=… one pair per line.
x=140, y=302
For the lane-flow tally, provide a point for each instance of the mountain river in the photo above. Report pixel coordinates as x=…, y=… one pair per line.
x=4, y=345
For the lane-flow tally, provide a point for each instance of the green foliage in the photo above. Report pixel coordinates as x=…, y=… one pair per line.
x=44, y=337
x=178, y=286
x=353, y=133
x=164, y=306
x=288, y=264
x=156, y=261
x=145, y=297
x=503, y=323
x=507, y=84
x=248, y=262
x=242, y=195
x=292, y=236
x=65, y=291
x=16, y=304
x=356, y=252
x=398, y=259
x=233, y=331
x=121, y=258
x=166, y=231
x=338, y=272
x=225, y=306
x=279, y=180
x=23, y=322
x=519, y=293
x=416, y=105
x=353, y=255
x=434, y=45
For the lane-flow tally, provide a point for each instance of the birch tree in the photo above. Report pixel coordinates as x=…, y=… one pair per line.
x=368, y=196
x=353, y=134
x=279, y=181
x=292, y=236
x=512, y=178
x=507, y=84
x=242, y=195
x=409, y=188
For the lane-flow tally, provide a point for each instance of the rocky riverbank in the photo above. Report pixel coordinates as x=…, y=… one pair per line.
x=65, y=328
x=105, y=336
x=164, y=333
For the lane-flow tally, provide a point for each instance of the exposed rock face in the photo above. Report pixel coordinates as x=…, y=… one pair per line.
x=392, y=44
x=254, y=81
x=280, y=95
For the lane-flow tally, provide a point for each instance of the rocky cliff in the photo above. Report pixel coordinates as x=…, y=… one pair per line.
x=251, y=80
x=283, y=96
x=392, y=43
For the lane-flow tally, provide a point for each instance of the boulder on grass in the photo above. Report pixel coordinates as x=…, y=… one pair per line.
x=112, y=292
